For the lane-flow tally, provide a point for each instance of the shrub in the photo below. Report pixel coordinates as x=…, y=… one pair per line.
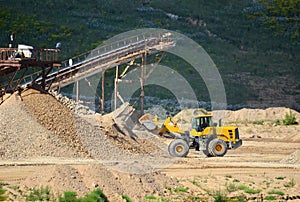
x=258, y=122
x=231, y=187
x=181, y=189
x=235, y=180
x=249, y=190
x=270, y=198
x=169, y=188
x=96, y=195
x=289, y=119
x=242, y=187
x=279, y=178
x=220, y=196
x=252, y=191
x=3, y=197
x=276, y=192
x=195, y=183
x=126, y=198
x=42, y=194
x=150, y=197
x=241, y=198
x=69, y=196
x=276, y=122
x=291, y=183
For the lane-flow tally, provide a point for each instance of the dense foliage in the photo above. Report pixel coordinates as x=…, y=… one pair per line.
x=254, y=44
x=282, y=16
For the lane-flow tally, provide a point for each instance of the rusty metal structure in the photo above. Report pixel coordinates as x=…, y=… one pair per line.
x=14, y=67
x=53, y=74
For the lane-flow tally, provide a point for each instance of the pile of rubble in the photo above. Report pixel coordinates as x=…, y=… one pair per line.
x=22, y=137
x=107, y=138
x=293, y=158
x=72, y=105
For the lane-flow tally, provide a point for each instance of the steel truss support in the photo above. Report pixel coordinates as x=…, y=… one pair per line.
x=103, y=92
x=143, y=73
x=116, y=88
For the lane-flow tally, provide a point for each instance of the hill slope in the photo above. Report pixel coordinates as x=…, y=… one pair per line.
x=258, y=67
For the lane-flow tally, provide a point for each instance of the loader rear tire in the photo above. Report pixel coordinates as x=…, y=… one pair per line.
x=178, y=148
x=217, y=147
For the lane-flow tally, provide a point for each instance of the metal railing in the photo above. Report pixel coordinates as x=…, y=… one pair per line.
x=38, y=54
x=107, y=52
x=106, y=49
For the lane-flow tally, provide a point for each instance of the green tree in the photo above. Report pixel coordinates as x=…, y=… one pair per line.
x=282, y=16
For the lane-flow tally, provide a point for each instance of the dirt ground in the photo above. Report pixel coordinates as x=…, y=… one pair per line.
x=267, y=164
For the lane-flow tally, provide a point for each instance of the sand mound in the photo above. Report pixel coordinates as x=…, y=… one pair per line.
x=242, y=115
x=86, y=178
x=250, y=115
x=185, y=116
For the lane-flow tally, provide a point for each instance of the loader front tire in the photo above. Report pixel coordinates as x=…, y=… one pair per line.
x=206, y=151
x=178, y=148
x=217, y=147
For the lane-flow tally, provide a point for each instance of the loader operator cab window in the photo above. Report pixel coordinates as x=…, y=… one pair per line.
x=195, y=123
x=200, y=123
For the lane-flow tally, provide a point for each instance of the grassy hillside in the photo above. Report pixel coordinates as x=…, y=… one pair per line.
x=259, y=67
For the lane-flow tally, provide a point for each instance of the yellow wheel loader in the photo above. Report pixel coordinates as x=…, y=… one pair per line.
x=204, y=135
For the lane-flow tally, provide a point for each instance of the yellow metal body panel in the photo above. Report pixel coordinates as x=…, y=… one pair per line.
x=226, y=133
x=170, y=126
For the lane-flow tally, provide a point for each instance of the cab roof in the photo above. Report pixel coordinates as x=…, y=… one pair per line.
x=203, y=115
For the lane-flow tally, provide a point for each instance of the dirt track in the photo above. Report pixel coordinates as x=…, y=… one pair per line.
x=268, y=160
x=254, y=165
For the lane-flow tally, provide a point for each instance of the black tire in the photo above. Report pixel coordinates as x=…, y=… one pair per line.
x=195, y=144
x=206, y=152
x=217, y=147
x=178, y=148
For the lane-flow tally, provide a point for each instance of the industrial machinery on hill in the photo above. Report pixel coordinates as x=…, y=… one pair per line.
x=205, y=136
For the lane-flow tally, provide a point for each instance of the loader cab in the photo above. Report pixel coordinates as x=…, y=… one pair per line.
x=199, y=123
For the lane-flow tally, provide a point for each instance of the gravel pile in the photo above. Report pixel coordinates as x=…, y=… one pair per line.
x=40, y=126
x=72, y=105
x=22, y=137
x=144, y=154
x=54, y=116
x=94, y=136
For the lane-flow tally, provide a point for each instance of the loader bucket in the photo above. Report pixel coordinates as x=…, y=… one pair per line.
x=149, y=121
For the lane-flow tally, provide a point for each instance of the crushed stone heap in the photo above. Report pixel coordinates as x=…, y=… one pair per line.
x=22, y=136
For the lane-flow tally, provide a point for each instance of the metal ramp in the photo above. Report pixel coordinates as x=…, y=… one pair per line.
x=54, y=74
x=103, y=58
x=14, y=67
